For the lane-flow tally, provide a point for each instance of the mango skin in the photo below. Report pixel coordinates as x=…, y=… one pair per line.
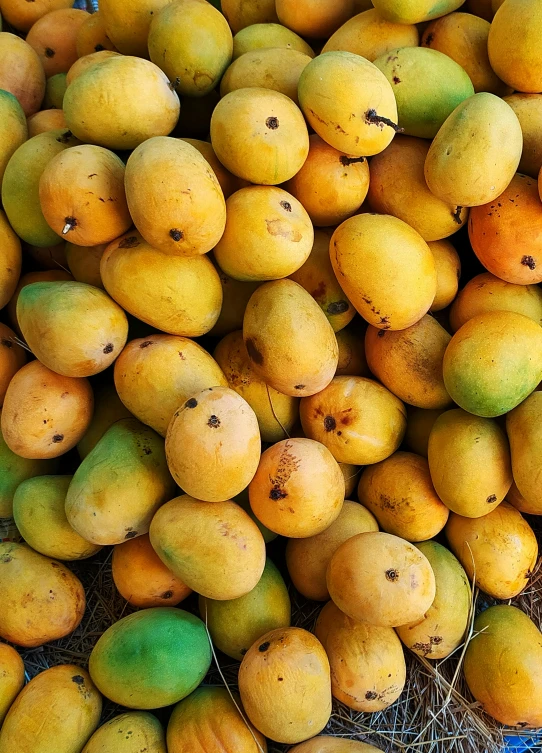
x=419, y=425
x=108, y=409
x=275, y=68
x=448, y=265
x=236, y=624
x=127, y=25
x=210, y=720
x=377, y=259
x=476, y=152
x=331, y=744
x=135, y=730
x=442, y=629
x=20, y=186
x=524, y=428
x=151, y=658
x=10, y=266
x=428, y=86
x=239, y=14
x=257, y=36
x=513, y=45
x=369, y=34
x=119, y=485
x=503, y=666
x=57, y=711
x=493, y=362
x=499, y=549
x=469, y=460
x=414, y=11
x=528, y=108
x=11, y=678
x=14, y=129
x=328, y=86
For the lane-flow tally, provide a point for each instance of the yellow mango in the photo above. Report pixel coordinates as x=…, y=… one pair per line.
x=275, y=68
x=528, y=108
x=524, y=427
x=513, y=44
x=414, y=11
x=257, y=36
x=11, y=678
x=370, y=35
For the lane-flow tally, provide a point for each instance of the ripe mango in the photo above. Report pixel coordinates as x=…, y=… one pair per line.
x=414, y=11
x=524, y=428
x=370, y=35
x=513, y=45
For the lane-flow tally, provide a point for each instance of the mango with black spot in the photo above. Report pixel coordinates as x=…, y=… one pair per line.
x=127, y=733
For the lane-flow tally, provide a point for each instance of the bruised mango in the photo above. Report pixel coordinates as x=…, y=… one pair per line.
x=398, y=187
x=493, y=362
x=368, y=670
x=308, y=558
x=189, y=537
x=469, y=460
x=369, y=34
x=524, y=426
x=257, y=36
x=476, y=152
x=385, y=268
x=236, y=624
x=513, y=45
x=11, y=678
x=442, y=629
x=135, y=730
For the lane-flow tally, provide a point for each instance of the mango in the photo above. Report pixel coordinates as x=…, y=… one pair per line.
x=22, y=72
x=127, y=26
x=108, y=409
x=502, y=666
x=316, y=19
x=419, y=425
x=55, y=88
x=414, y=11
x=442, y=629
x=515, y=258
x=428, y=86
x=268, y=235
x=284, y=326
x=211, y=719
x=276, y=413
x=188, y=536
x=135, y=730
x=53, y=37
x=400, y=494
x=275, y=68
x=141, y=577
x=236, y=624
x=235, y=297
x=357, y=419
x=486, y=293
x=84, y=263
x=328, y=86
x=476, y=152
x=308, y=558
x=92, y=36
x=124, y=121
x=259, y=135
x=369, y=35
x=469, y=460
x=493, y=362
x=82, y=63
x=239, y=15
x=151, y=658
x=20, y=186
x=409, y=362
x=367, y=662
x=45, y=414
x=351, y=342
x=10, y=266
x=38, y=510
x=398, y=188
x=448, y=266
x=11, y=678
x=13, y=131
x=229, y=183
x=12, y=358
x=381, y=579
x=498, y=551
x=244, y=502
x=523, y=426
x=23, y=17
x=332, y=744
x=298, y=489
x=292, y=709
x=42, y=599
x=528, y=108
x=513, y=45
x=463, y=37
x=330, y=185
x=55, y=713
x=75, y=329
x=258, y=35
x=385, y=268
x=175, y=294
x=119, y=485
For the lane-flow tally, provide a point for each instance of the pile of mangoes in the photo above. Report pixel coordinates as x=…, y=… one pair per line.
x=233, y=325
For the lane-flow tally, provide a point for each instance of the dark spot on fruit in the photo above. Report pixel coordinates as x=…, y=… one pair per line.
x=381, y=333
x=58, y=438
x=176, y=234
x=147, y=450
x=65, y=137
x=253, y=352
x=78, y=680
x=329, y=423
x=522, y=724
x=344, y=160
x=373, y=118
x=213, y=422
x=429, y=38
x=286, y=205
x=492, y=498
x=49, y=53
x=392, y=575
x=276, y=493
x=131, y=534
x=108, y=348
x=167, y=595
x=192, y=403
x=130, y=242
x=339, y=433
x=174, y=84
x=436, y=639
x=7, y=343
x=456, y=214
x=146, y=344
x=5, y=558
x=299, y=387
x=272, y=123
x=264, y=646
x=370, y=695
x=280, y=679
x=337, y=307
x=69, y=224
x=396, y=80
x=99, y=47
x=528, y=261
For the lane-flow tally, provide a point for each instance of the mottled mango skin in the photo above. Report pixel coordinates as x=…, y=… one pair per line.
x=151, y=658
x=503, y=666
x=134, y=731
